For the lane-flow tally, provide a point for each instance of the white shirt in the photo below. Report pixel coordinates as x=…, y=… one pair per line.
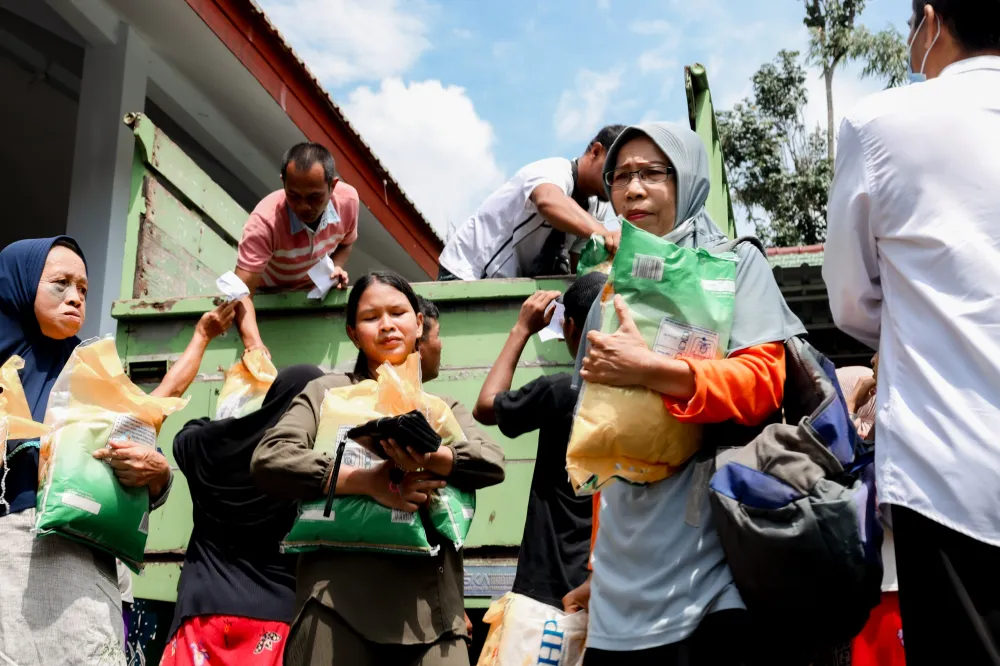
x=506, y=233
x=913, y=268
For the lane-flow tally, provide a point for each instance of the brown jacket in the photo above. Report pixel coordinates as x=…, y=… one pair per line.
x=387, y=598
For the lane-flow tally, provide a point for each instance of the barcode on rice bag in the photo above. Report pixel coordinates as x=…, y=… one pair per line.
x=404, y=517
x=647, y=267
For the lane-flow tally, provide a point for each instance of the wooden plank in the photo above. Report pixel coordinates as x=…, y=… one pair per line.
x=513, y=290
x=165, y=267
x=178, y=254
x=183, y=174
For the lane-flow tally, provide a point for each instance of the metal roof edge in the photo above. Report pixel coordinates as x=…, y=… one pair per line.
x=251, y=36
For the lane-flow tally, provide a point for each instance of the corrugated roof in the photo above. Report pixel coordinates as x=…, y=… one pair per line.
x=791, y=257
x=390, y=179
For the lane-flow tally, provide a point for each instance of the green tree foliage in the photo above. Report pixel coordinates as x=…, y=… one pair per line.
x=835, y=38
x=779, y=169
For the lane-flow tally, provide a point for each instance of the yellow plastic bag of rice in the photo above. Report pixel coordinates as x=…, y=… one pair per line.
x=92, y=403
x=245, y=385
x=15, y=415
x=525, y=631
x=681, y=301
x=358, y=522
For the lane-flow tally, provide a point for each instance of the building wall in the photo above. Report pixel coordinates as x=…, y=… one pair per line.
x=37, y=133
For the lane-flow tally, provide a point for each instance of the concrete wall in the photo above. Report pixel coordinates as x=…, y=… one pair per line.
x=37, y=134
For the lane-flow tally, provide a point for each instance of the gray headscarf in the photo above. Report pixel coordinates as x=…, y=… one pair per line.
x=686, y=152
x=760, y=314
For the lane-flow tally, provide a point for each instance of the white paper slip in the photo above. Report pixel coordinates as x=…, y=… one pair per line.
x=554, y=331
x=320, y=275
x=231, y=287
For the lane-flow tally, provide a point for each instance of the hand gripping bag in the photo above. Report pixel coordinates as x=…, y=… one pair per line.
x=245, y=386
x=356, y=522
x=527, y=632
x=92, y=403
x=682, y=303
x=594, y=257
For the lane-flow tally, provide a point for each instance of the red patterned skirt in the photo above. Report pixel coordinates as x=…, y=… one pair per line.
x=224, y=640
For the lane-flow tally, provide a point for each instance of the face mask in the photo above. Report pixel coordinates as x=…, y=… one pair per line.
x=919, y=77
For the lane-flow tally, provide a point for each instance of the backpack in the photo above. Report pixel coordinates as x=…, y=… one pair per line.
x=795, y=508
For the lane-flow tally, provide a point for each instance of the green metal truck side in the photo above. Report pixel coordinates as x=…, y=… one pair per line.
x=182, y=233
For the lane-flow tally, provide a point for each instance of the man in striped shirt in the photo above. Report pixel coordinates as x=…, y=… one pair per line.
x=312, y=217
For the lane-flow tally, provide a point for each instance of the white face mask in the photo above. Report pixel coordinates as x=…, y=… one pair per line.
x=920, y=77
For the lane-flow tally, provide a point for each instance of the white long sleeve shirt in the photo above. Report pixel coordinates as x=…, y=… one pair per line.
x=913, y=268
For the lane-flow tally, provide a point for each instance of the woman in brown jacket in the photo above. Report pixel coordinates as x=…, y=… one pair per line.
x=362, y=608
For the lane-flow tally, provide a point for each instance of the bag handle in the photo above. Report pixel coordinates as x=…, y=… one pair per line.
x=730, y=246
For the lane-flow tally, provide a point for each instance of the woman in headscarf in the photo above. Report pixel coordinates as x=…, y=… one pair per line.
x=236, y=595
x=681, y=605
x=366, y=608
x=59, y=600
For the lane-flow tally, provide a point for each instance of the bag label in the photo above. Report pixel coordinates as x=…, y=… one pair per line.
x=647, y=267
x=403, y=517
x=316, y=514
x=144, y=523
x=81, y=502
x=719, y=286
x=128, y=427
x=675, y=339
x=233, y=405
x=355, y=455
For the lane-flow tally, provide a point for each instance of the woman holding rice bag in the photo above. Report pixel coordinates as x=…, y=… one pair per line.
x=236, y=596
x=681, y=606
x=363, y=607
x=59, y=599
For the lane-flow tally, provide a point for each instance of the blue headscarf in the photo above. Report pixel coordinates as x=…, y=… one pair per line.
x=21, y=265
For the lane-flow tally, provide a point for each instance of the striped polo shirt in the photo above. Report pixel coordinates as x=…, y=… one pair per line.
x=276, y=243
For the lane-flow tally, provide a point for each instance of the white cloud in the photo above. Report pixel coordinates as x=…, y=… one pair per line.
x=434, y=143
x=385, y=38
x=657, y=60
x=581, y=109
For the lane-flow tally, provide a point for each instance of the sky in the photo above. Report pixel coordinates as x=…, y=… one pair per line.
x=454, y=96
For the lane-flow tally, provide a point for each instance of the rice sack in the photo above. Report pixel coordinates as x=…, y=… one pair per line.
x=15, y=415
x=682, y=303
x=93, y=402
x=524, y=631
x=245, y=385
x=358, y=522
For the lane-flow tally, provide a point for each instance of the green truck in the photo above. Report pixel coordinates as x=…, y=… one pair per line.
x=183, y=230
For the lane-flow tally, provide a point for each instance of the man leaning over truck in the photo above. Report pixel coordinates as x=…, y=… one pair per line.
x=521, y=229
x=313, y=216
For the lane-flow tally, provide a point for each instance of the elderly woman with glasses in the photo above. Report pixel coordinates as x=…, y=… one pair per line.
x=681, y=606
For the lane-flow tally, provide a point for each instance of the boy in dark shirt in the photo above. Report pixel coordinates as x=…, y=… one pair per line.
x=555, y=547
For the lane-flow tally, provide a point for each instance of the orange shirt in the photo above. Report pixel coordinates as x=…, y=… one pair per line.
x=746, y=387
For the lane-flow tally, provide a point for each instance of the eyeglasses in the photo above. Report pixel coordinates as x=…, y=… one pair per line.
x=620, y=178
